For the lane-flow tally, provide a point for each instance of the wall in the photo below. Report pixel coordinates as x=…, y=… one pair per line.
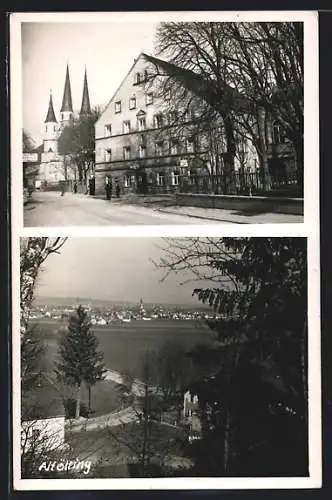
x=243, y=203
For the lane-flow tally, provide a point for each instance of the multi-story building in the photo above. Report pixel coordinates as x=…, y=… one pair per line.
x=138, y=143
x=150, y=139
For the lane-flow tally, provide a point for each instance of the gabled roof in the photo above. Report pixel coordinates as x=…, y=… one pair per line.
x=85, y=107
x=50, y=117
x=67, y=104
x=203, y=88
x=194, y=82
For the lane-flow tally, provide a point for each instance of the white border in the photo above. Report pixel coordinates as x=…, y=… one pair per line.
x=309, y=229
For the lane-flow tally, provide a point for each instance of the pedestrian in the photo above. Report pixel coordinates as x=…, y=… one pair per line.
x=108, y=187
x=75, y=187
x=118, y=189
x=62, y=187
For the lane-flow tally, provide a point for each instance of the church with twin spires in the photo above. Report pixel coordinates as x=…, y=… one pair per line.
x=53, y=166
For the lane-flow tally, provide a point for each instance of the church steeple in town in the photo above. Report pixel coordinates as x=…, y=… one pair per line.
x=67, y=103
x=50, y=117
x=85, y=107
x=51, y=129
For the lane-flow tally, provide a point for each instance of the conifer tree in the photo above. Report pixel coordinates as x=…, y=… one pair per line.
x=253, y=390
x=79, y=357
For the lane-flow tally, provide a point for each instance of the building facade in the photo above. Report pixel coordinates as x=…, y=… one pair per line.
x=137, y=144
x=150, y=142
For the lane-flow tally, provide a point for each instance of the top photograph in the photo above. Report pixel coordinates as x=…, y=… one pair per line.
x=162, y=123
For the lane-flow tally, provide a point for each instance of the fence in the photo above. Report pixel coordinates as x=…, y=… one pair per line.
x=243, y=183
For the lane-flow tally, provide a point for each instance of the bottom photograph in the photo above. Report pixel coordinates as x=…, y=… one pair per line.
x=163, y=357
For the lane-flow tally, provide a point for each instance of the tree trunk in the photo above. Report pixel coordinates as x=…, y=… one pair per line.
x=229, y=184
x=263, y=158
x=89, y=391
x=304, y=358
x=227, y=433
x=299, y=164
x=78, y=401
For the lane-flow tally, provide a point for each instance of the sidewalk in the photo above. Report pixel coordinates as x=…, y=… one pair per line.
x=231, y=216
x=165, y=204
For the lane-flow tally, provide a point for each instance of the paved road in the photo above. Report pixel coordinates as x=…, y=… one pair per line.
x=51, y=209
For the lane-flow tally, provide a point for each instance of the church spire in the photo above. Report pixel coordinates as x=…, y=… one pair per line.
x=50, y=117
x=85, y=107
x=67, y=105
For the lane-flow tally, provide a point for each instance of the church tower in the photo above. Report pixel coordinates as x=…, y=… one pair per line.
x=51, y=130
x=85, y=107
x=67, y=104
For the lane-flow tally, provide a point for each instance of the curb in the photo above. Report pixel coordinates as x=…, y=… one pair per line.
x=199, y=217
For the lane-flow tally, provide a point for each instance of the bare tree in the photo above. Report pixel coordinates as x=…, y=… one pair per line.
x=248, y=73
x=27, y=142
x=77, y=144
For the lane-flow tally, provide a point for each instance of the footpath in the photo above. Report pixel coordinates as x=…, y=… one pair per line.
x=166, y=205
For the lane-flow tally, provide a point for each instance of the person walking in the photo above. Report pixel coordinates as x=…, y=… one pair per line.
x=118, y=190
x=62, y=187
x=108, y=187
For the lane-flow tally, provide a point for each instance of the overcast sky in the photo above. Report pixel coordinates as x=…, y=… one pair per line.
x=106, y=49
x=115, y=269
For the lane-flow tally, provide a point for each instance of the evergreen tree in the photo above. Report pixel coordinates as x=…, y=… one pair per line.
x=79, y=357
x=253, y=396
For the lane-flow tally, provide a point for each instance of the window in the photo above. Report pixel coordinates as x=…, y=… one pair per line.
x=142, y=151
x=146, y=75
x=54, y=128
x=172, y=117
x=108, y=155
x=137, y=79
x=126, y=153
x=278, y=135
x=141, y=123
x=158, y=121
x=149, y=98
x=141, y=139
x=160, y=179
x=242, y=146
x=61, y=116
x=174, y=147
x=108, y=130
x=126, y=181
x=126, y=127
x=186, y=116
x=175, y=178
x=159, y=149
x=132, y=103
x=190, y=145
x=118, y=107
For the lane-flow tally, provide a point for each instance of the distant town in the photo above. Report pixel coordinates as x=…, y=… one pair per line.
x=105, y=314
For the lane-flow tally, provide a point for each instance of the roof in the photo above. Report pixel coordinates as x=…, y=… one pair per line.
x=193, y=82
x=67, y=104
x=39, y=149
x=85, y=107
x=42, y=402
x=205, y=89
x=50, y=117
